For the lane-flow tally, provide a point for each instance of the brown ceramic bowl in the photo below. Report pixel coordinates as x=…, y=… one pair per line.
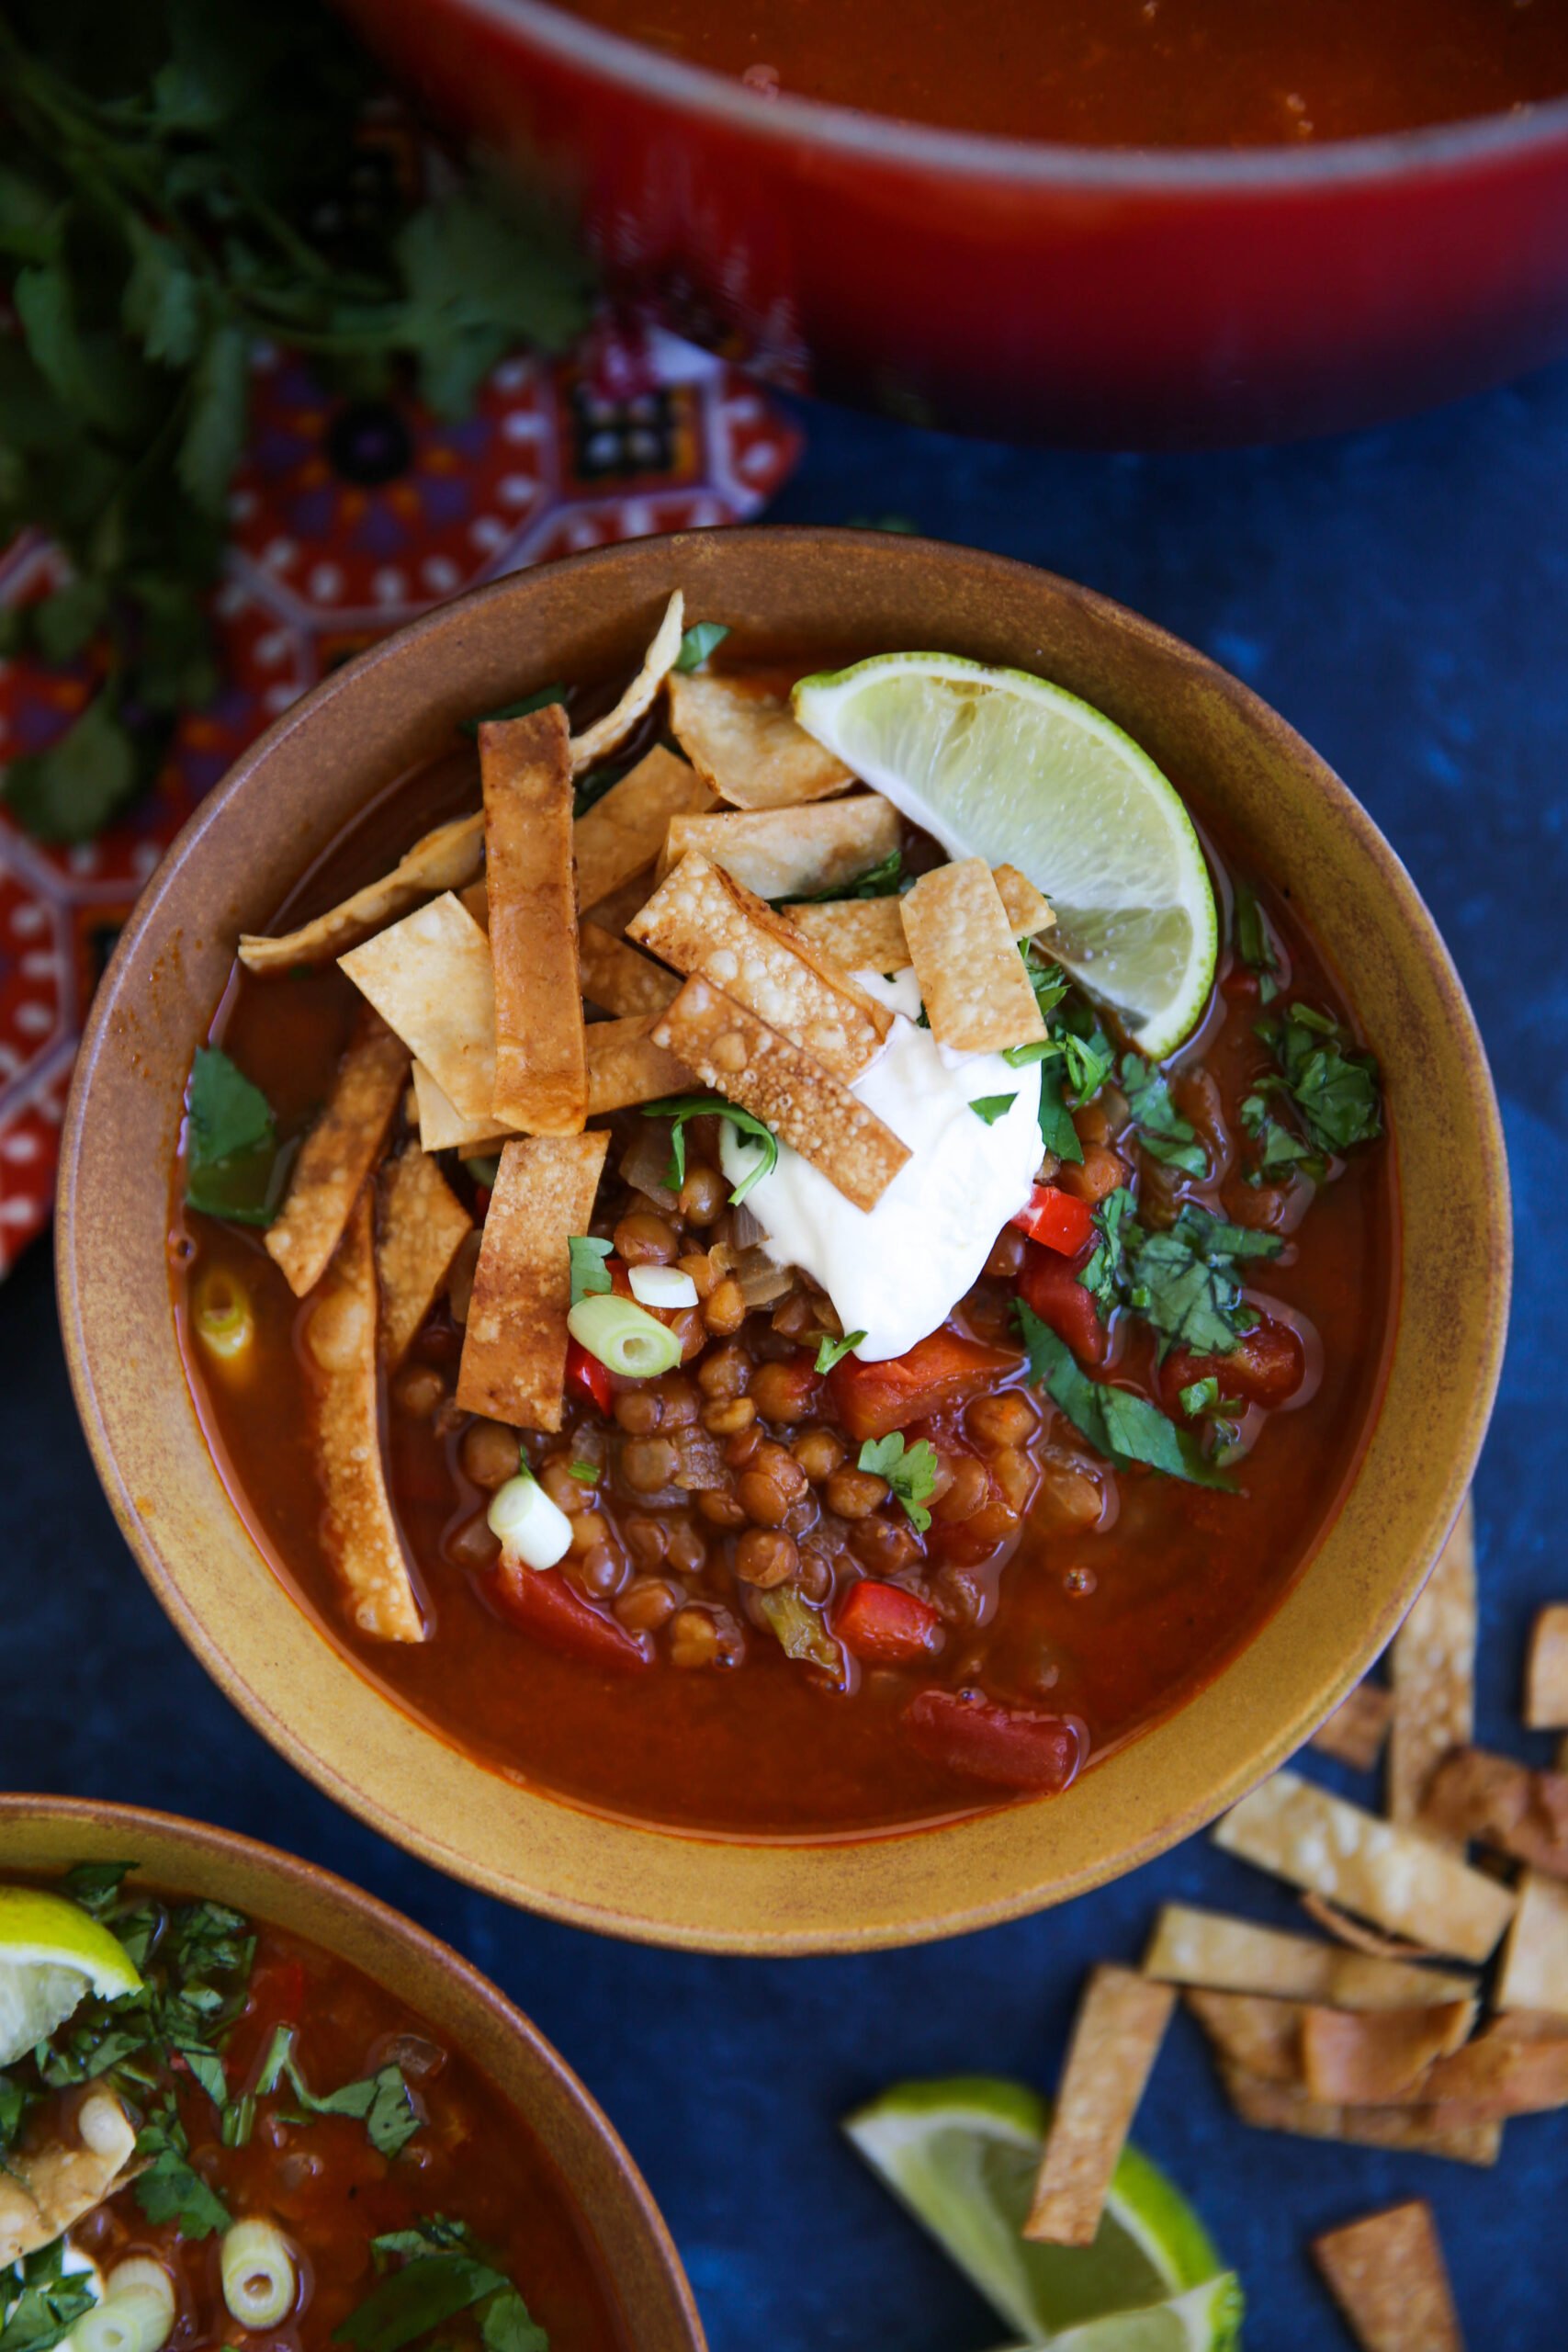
x=396, y=708
x=636, y=2258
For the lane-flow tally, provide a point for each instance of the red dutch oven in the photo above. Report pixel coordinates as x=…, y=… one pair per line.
x=1044, y=292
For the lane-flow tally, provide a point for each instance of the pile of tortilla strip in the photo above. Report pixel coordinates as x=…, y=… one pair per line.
x=529, y=969
x=1368, y=2032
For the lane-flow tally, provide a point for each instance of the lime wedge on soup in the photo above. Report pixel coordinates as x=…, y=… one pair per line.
x=52, y=1955
x=1001, y=766
x=963, y=2153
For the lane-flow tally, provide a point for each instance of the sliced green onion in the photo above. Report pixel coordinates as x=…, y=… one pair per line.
x=663, y=1286
x=260, y=2281
x=137, y=2314
x=221, y=1317
x=624, y=1335
x=528, y=1526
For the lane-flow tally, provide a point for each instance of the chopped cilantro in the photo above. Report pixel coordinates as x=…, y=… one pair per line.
x=383, y=2101
x=522, y=710
x=1105, y=1274
x=39, y=2301
x=832, y=1351
x=1123, y=1426
x=1201, y=1398
x=1077, y=1056
x=1277, y=1149
x=1333, y=1091
x=231, y=1158
x=441, y=2273
x=909, y=1470
x=799, y=1629
x=1255, y=944
x=1057, y=1132
x=682, y=1107
x=16, y=2103
x=170, y=2189
x=590, y=1275
x=1163, y=1134
x=1048, y=980
x=1185, y=1282
x=990, y=1107
x=96, y=1886
x=701, y=640
x=886, y=879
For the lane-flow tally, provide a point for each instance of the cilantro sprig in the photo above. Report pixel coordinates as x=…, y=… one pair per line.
x=429, y=2273
x=590, y=1275
x=1118, y=1423
x=1162, y=1131
x=1076, y=1056
x=1185, y=1280
x=1329, y=1092
x=909, y=1470
x=682, y=1107
x=233, y=1165
x=830, y=1351
x=169, y=2187
x=40, y=2302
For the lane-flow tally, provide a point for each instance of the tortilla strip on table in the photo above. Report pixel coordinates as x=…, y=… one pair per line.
x=867, y=934
x=607, y=734
x=1501, y=1803
x=972, y=980
x=541, y=1081
x=1374, y=2061
x=624, y=1065
x=430, y=978
x=702, y=921
x=338, y=1153
x=514, y=1361
x=745, y=744
x=422, y=1223
x=444, y=1128
x=1207, y=1948
x=1393, y=1876
x=1546, y=1675
x=1422, y=2130
x=1356, y=1933
x=790, y=852
x=1432, y=1673
x=1534, y=1974
x=442, y=859
x=46, y=2189
x=1515, y=2065
x=623, y=831
x=740, y=1058
x=363, y=1540
x=1386, y=2273
x=1356, y=1729
x=616, y=976
x=1117, y=2034
x=1254, y=2031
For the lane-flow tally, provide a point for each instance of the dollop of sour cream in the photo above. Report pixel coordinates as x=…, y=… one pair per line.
x=897, y=1271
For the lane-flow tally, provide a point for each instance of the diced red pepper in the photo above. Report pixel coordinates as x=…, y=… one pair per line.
x=541, y=1600
x=885, y=1624
x=945, y=1369
x=1058, y=1220
x=1014, y=1747
x=1050, y=1289
x=587, y=1377
x=1265, y=1368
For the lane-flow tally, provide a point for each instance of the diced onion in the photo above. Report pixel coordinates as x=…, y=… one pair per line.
x=624, y=1335
x=527, y=1524
x=664, y=1286
x=137, y=2314
x=260, y=2282
x=221, y=1317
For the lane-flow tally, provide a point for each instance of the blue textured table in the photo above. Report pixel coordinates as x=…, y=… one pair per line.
x=1402, y=598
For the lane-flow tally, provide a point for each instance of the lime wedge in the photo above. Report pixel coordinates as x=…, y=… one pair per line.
x=963, y=2153
x=52, y=1955
x=1001, y=766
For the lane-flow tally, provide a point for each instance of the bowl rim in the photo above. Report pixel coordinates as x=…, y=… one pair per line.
x=788, y=121
x=205, y=1842
x=597, y=1903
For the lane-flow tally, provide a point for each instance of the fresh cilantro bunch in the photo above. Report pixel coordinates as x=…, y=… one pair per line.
x=178, y=181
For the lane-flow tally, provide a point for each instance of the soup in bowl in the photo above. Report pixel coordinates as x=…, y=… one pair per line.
x=783, y=1274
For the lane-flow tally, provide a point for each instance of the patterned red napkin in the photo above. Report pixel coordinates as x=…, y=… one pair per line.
x=348, y=519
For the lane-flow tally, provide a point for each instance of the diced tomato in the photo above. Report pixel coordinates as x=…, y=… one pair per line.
x=545, y=1603
x=885, y=1624
x=946, y=1369
x=1057, y=1219
x=587, y=1377
x=1050, y=1289
x=1266, y=1368
x=1013, y=1747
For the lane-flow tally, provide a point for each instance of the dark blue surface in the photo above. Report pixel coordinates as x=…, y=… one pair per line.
x=1402, y=598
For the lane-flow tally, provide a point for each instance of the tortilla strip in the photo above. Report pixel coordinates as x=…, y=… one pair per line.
x=1117, y=2034
x=744, y=744
x=790, y=852
x=442, y=859
x=1386, y=2274
x=1191, y=1947
x=1432, y=1672
x=1503, y=1805
x=1534, y=1974
x=623, y=831
x=1356, y=1729
x=607, y=734
x=476, y=898
x=513, y=1363
x=1512, y=2067
x=1394, y=1877
x=1364, y=2061
x=541, y=1082
x=614, y=912
x=702, y=920
x=867, y=934
x=423, y=1221
x=616, y=977
x=743, y=1059
x=441, y=1128
x=430, y=978
x=625, y=1067
x=338, y=1153
x=44, y=2190
x=1253, y=2030
x=972, y=980
x=361, y=1533
x=1361, y=1938
x=1424, y=2130
x=1546, y=1676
